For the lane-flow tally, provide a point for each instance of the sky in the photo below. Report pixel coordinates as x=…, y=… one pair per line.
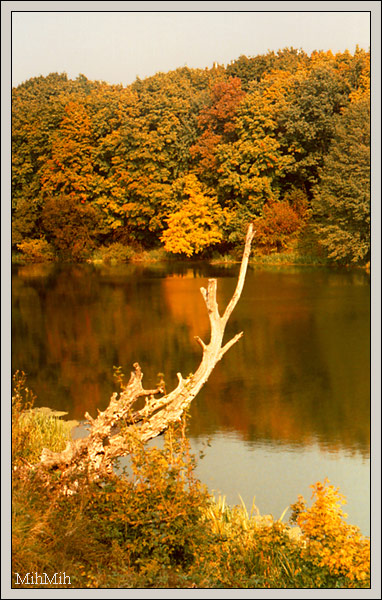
x=117, y=46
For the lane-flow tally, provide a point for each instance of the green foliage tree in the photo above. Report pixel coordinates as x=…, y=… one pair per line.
x=41, y=136
x=341, y=202
x=110, y=108
x=354, y=69
x=249, y=165
x=306, y=122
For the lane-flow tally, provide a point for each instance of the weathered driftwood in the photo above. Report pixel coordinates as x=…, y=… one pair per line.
x=110, y=432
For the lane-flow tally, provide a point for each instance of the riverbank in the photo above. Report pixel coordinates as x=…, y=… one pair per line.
x=159, y=255
x=153, y=257
x=298, y=254
x=160, y=528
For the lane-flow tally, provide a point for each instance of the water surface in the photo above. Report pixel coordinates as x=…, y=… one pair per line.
x=287, y=406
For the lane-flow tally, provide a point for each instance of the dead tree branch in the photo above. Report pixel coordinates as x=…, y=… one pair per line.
x=110, y=432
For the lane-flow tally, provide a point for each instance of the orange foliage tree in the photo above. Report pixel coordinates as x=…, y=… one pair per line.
x=281, y=221
x=216, y=125
x=250, y=132
x=70, y=170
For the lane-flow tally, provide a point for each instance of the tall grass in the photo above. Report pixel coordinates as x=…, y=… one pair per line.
x=34, y=429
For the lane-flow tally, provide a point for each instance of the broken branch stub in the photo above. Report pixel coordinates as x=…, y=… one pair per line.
x=110, y=432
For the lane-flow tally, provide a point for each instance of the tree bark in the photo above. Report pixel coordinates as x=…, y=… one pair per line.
x=111, y=432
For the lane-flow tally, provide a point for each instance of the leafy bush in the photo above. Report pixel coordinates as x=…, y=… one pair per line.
x=37, y=250
x=333, y=548
x=114, y=253
x=155, y=513
x=153, y=255
x=277, y=226
x=257, y=551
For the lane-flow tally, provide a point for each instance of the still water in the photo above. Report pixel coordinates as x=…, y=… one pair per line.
x=287, y=406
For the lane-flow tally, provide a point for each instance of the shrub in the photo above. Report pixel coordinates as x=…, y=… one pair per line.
x=282, y=221
x=333, y=548
x=114, y=253
x=37, y=250
x=141, y=529
x=155, y=514
x=153, y=255
x=277, y=226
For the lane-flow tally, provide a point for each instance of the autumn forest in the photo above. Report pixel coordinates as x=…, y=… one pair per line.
x=265, y=160
x=183, y=161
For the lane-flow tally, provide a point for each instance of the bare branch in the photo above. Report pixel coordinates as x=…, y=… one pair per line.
x=200, y=342
x=228, y=345
x=243, y=271
x=109, y=433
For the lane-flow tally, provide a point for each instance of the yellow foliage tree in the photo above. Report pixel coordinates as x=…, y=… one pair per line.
x=197, y=223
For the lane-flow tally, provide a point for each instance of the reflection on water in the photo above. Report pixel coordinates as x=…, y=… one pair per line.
x=296, y=385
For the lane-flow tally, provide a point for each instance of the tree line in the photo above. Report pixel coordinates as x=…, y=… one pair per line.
x=184, y=160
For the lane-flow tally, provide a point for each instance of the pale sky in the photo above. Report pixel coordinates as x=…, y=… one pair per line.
x=118, y=45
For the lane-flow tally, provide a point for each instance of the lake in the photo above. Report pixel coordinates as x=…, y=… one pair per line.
x=287, y=406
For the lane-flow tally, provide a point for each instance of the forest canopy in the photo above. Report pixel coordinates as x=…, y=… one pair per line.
x=184, y=160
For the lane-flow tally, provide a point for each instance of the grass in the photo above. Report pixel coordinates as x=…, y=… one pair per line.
x=274, y=259
x=304, y=251
x=288, y=259
x=153, y=255
x=158, y=527
x=113, y=257
x=34, y=428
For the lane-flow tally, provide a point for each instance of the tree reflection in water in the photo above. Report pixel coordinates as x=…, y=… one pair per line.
x=299, y=378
